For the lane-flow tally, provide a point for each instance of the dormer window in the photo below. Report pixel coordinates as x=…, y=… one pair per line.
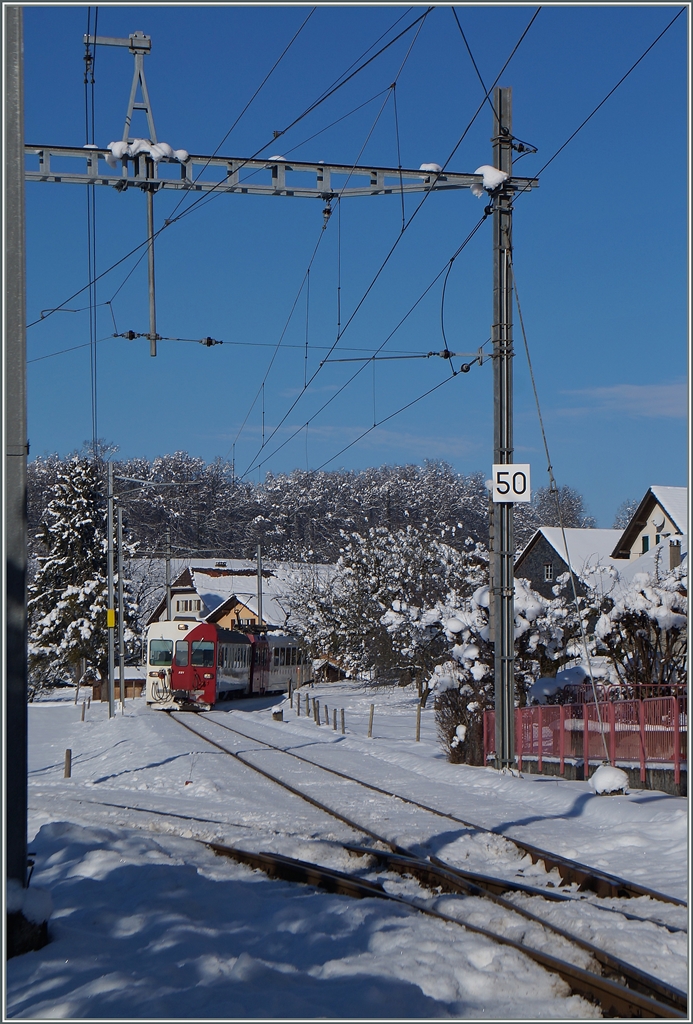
x=548, y=572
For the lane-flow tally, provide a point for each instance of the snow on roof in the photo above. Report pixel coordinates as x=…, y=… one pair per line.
x=586, y=548
x=647, y=563
x=674, y=501
x=216, y=580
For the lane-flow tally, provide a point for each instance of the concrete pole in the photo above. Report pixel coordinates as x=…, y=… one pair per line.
x=121, y=606
x=14, y=539
x=502, y=336
x=110, y=613
x=259, y=584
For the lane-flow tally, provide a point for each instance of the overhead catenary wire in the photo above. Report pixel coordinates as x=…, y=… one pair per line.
x=213, y=193
x=603, y=101
x=306, y=278
x=392, y=415
x=407, y=225
x=379, y=349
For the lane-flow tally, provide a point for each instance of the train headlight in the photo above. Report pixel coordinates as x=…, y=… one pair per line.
x=208, y=675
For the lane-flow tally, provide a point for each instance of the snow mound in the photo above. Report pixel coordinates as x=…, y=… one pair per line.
x=608, y=779
x=36, y=904
x=459, y=737
x=436, y=168
x=492, y=178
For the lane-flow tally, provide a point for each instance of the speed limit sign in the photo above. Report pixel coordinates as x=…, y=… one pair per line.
x=511, y=482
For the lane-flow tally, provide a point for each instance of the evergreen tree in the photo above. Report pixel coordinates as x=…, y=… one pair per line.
x=68, y=595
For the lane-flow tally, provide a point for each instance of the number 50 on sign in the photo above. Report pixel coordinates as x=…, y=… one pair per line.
x=511, y=482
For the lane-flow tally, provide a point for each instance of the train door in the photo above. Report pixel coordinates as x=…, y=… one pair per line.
x=259, y=670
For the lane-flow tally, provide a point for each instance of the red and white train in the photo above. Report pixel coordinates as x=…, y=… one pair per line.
x=196, y=664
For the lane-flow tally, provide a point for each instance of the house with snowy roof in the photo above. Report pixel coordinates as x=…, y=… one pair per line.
x=654, y=539
x=549, y=554
x=226, y=592
x=662, y=513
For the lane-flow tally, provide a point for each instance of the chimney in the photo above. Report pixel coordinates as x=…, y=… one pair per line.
x=674, y=553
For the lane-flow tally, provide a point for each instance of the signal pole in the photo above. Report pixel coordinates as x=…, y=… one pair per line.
x=110, y=612
x=121, y=605
x=502, y=555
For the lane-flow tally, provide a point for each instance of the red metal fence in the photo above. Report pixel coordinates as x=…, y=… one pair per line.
x=650, y=731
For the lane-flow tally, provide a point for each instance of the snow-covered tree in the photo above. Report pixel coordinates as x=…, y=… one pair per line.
x=624, y=513
x=371, y=614
x=68, y=595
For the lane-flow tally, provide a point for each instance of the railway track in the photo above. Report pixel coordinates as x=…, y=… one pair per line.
x=620, y=988
x=585, y=877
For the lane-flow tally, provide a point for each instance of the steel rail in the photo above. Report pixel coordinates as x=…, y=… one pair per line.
x=615, y=1000
x=594, y=879
x=446, y=875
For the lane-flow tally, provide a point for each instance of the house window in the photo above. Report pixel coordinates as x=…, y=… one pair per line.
x=548, y=572
x=658, y=537
x=645, y=543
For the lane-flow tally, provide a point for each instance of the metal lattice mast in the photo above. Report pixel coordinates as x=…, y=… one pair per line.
x=502, y=578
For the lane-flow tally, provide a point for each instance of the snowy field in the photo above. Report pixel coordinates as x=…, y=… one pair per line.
x=149, y=923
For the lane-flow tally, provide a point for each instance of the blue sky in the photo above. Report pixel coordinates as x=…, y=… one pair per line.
x=600, y=249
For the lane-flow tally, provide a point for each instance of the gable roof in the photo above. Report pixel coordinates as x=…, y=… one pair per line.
x=674, y=501
x=586, y=547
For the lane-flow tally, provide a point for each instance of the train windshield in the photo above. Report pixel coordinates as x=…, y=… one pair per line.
x=203, y=653
x=161, y=652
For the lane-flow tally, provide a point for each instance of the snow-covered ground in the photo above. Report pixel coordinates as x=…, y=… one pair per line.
x=149, y=923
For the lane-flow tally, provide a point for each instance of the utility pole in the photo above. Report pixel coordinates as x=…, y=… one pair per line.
x=259, y=584
x=502, y=578
x=14, y=539
x=168, y=573
x=110, y=612
x=121, y=606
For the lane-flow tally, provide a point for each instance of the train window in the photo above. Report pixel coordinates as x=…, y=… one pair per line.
x=276, y=657
x=160, y=652
x=293, y=655
x=299, y=658
x=181, y=653
x=282, y=656
x=203, y=653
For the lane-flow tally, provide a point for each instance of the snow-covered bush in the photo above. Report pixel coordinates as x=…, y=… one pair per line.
x=642, y=631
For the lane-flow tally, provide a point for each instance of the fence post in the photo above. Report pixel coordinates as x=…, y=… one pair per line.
x=334, y=719
x=327, y=715
x=298, y=704
x=643, y=748
x=342, y=718
x=370, y=722
x=612, y=731
x=84, y=707
x=316, y=711
x=68, y=764
x=540, y=738
x=418, y=724
x=677, y=740
x=561, y=739
x=519, y=733
x=585, y=744
x=307, y=704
